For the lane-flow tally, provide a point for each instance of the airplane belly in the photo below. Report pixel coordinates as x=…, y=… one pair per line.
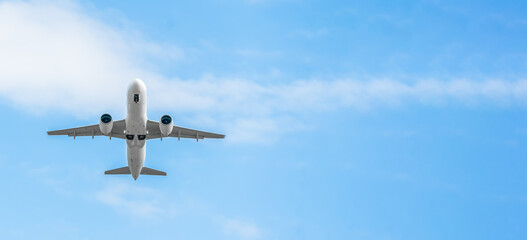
x=136, y=159
x=136, y=120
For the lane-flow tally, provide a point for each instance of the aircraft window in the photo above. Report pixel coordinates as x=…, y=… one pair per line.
x=130, y=137
x=136, y=98
x=141, y=137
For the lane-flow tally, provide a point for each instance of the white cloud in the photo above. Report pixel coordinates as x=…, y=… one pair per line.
x=54, y=56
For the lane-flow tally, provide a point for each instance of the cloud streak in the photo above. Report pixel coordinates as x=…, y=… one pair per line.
x=212, y=94
x=133, y=200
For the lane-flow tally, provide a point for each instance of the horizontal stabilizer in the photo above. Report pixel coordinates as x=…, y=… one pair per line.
x=144, y=171
x=149, y=171
x=123, y=170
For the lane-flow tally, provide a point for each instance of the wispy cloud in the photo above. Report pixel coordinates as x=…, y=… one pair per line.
x=249, y=98
x=134, y=200
x=55, y=57
x=140, y=202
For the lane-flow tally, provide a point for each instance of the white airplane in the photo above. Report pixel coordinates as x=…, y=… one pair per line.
x=136, y=129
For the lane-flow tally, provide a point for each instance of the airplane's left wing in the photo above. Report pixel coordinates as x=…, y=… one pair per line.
x=178, y=132
x=92, y=130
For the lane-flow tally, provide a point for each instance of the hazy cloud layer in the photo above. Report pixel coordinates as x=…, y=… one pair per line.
x=56, y=57
x=148, y=203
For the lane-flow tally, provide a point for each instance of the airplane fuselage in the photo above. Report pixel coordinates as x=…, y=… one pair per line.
x=136, y=127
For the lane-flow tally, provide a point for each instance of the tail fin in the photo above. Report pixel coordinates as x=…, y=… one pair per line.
x=144, y=171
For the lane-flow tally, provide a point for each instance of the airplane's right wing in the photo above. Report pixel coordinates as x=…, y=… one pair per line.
x=178, y=132
x=92, y=130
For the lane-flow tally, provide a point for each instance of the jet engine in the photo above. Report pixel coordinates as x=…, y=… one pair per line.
x=165, y=125
x=106, y=124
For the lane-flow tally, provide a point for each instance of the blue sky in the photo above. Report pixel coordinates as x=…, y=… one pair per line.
x=344, y=119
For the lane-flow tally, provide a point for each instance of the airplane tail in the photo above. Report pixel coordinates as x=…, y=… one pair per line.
x=144, y=171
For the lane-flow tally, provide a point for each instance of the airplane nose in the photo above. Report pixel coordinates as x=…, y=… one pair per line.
x=137, y=83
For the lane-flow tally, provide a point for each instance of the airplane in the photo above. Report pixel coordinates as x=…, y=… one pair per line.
x=136, y=129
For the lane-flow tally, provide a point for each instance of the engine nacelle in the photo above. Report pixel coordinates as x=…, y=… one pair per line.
x=106, y=124
x=165, y=125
